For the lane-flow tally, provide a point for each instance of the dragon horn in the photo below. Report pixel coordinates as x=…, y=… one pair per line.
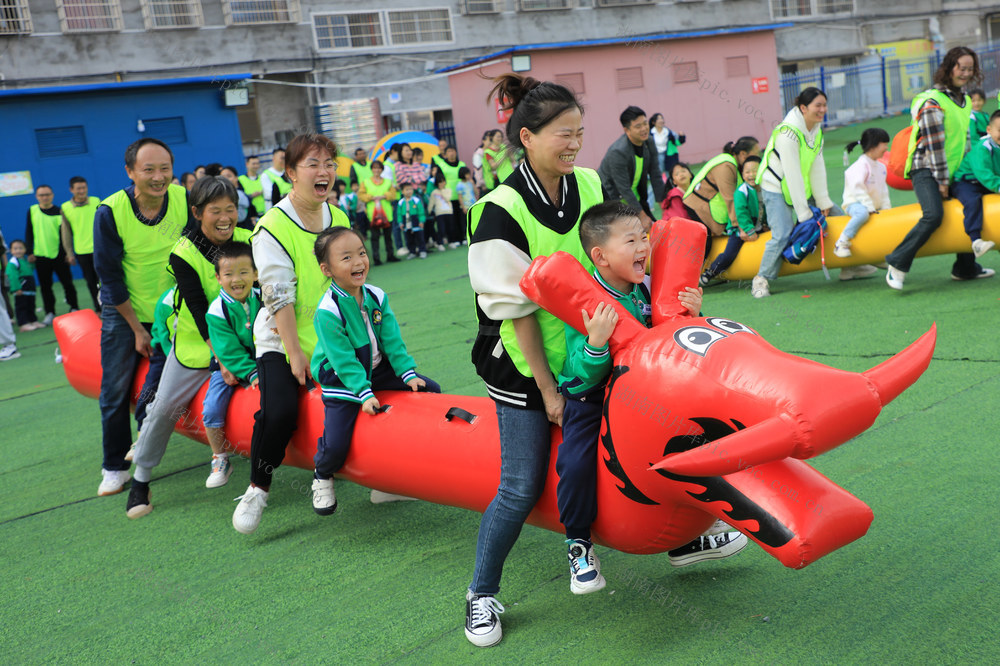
x=895, y=374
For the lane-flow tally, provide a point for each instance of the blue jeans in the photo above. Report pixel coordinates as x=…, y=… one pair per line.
x=525, y=442
x=216, y=401
x=397, y=235
x=781, y=218
x=118, y=363
x=859, y=215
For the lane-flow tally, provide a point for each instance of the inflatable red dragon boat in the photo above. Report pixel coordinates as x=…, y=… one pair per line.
x=703, y=419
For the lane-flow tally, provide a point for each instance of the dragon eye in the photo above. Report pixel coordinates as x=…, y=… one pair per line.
x=698, y=339
x=730, y=326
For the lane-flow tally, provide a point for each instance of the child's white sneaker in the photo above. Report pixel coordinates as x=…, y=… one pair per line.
x=251, y=505
x=981, y=247
x=114, y=481
x=221, y=469
x=842, y=248
x=759, y=287
x=324, y=500
x=584, y=567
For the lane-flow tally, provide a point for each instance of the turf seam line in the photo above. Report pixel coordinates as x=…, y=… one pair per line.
x=28, y=395
x=802, y=352
x=88, y=499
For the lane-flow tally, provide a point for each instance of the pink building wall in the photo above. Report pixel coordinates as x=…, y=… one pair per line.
x=712, y=110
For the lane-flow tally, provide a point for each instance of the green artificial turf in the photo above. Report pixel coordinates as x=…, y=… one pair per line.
x=385, y=583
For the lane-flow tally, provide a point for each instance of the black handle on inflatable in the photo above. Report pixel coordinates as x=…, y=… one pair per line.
x=458, y=412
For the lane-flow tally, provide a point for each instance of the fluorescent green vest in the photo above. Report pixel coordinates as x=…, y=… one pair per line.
x=717, y=205
x=807, y=155
x=489, y=178
x=254, y=190
x=635, y=179
x=147, y=248
x=45, y=230
x=542, y=241
x=81, y=222
x=363, y=172
x=310, y=284
x=450, y=174
x=956, y=128
x=190, y=348
x=376, y=191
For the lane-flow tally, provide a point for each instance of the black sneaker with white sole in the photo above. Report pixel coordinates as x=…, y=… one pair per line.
x=482, y=619
x=138, y=500
x=708, y=547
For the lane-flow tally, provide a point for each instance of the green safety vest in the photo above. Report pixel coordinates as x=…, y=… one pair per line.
x=635, y=179
x=450, y=174
x=81, y=222
x=489, y=178
x=45, y=230
x=375, y=191
x=363, y=171
x=147, y=248
x=310, y=283
x=190, y=348
x=254, y=190
x=542, y=241
x=807, y=155
x=956, y=128
x=717, y=205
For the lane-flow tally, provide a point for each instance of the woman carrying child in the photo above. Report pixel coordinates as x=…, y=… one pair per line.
x=291, y=286
x=213, y=203
x=360, y=350
x=747, y=208
x=940, y=122
x=865, y=189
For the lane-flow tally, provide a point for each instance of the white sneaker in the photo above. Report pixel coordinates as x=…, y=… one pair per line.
x=221, y=469
x=9, y=353
x=246, y=518
x=842, y=248
x=852, y=272
x=759, y=287
x=423, y=255
x=379, y=497
x=981, y=247
x=584, y=568
x=48, y=318
x=114, y=481
x=454, y=245
x=131, y=451
x=482, y=620
x=442, y=247
x=402, y=252
x=895, y=278
x=324, y=501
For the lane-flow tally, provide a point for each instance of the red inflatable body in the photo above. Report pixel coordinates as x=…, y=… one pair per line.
x=703, y=420
x=892, y=179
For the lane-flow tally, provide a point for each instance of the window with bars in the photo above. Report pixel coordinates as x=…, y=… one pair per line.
x=162, y=14
x=537, y=5
x=480, y=7
x=685, y=72
x=419, y=26
x=15, y=17
x=737, y=66
x=621, y=3
x=382, y=28
x=628, y=78
x=572, y=81
x=89, y=15
x=260, y=12
x=806, y=8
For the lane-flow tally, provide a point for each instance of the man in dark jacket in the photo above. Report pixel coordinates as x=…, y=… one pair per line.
x=631, y=165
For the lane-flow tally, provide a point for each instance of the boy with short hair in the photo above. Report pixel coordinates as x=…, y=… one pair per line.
x=411, y=216
x=979, y=174
x=230, y=321
x=613, y=236
x=21, y=277
x=978, y=120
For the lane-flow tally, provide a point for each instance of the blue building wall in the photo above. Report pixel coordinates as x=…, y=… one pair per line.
x=109, y=117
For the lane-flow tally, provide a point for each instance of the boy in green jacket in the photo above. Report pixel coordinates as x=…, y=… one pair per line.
x=360, y=350
x=979, y=174
x=747, y=208
x=230, y=320
x=411, y=216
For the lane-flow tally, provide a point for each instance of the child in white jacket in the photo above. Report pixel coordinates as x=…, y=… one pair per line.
x=865, y=189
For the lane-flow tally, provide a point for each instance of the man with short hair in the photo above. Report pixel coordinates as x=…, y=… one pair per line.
x=78, y=232
x=251, y=184
x=134, y=232
x=41, y=237
x=273, y=182
x=631, y=164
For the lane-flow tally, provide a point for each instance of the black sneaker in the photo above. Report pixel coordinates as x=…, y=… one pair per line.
x=983, y=273
x=138, y=500
x=708, y=547
x=482, y=620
